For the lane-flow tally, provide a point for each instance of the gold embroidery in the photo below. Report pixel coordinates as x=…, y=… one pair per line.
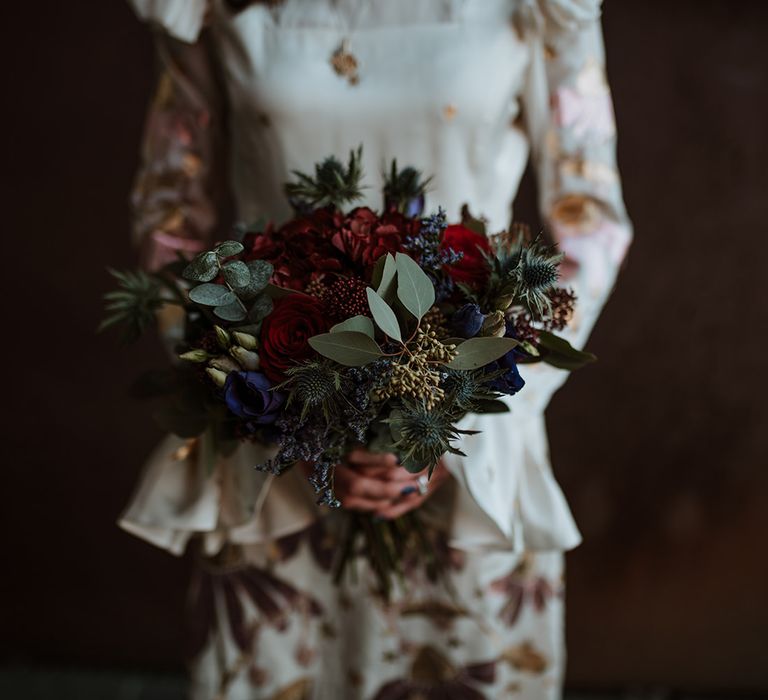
x=345, y=64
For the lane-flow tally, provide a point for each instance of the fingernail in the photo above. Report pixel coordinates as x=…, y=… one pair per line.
x=408, y=490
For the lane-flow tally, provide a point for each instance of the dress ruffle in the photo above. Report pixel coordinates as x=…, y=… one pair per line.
x=182, y=19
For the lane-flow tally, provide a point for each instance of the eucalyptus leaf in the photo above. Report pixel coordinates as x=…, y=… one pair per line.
x=228, y=248
x=361, y=324
x=559, y=353
x=383, y=315
x=259, y=272
x=349, y=348
x=211, y=295
x=414, y=288
x=236, y=273
x=203, y=268
x=489, y=406
x=478, y=352
x=261, y=308
x=386, y=285
x=231, y=312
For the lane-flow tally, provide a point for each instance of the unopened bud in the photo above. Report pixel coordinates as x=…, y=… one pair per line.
x=198, y=355
x=494, y=325
x=245, y=340
x=224, y=363
x=223, y=337
x=218, y=377
x=247, y=359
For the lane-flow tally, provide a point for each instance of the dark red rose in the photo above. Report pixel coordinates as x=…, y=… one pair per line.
x=285, y=334
x=472, y=269
x=300, y=250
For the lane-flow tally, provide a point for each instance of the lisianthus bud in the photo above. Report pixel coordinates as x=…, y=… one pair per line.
x=198, y=355
x=223, y=337
x=494, y=325
x=224, y=363
x=247, y=359
x=218, y=377
x=245, y=340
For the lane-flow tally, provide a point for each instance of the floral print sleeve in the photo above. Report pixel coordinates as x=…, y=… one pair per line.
x=179, y=181
x=573, y=138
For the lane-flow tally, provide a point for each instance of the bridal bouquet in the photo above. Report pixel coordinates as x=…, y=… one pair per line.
x=343, y=328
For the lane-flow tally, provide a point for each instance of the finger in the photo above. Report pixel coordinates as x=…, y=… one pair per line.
x=387, y=473
x=359, y=486
x=401, y=508
x=364, y=458
x=362, y=504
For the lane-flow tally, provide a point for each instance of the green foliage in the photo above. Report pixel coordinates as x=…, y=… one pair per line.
x=414, y=289
x=237, y=274
x=559, y=353
x=478, y=352
x=244, y=294
x=401, y=187
x=350, y=348
x=384, y=276
x=423, y=435
x=209, y=294
x=331, y=184
x=228, y=248
x=316, y=386
x=133, y=305
x=203, y=268
x=383, y=315
x=361, y=324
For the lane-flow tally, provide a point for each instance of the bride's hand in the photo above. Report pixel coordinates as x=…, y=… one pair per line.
x=376, y=483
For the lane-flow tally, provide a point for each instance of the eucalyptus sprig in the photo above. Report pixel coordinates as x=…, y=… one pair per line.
x=241, y=293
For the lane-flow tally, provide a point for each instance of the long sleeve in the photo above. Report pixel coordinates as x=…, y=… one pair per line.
x=180, y=184
x=570, y=124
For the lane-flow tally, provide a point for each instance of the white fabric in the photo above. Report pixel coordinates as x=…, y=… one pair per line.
x=182, y=19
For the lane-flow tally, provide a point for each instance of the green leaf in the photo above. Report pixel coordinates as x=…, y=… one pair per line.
x=275, y=292
x=559, y=353
x=414, y=288
x=383, y=315
x=260, y=272
x=237, y=274
x=211, y=295
x=361, y=324
x=478, y=352
x=386, y=286
x=261, y=308
x=350, y=348
x=231, y=312
x=489, y=406
x=203, y=268
x=228, y=248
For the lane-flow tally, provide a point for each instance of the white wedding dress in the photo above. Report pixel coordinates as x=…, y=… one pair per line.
x=464, y=90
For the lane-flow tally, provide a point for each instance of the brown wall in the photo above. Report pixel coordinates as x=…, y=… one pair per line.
x=661, y=446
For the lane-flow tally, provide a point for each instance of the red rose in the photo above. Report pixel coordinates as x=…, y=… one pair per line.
x=473, y=268
x=300, y=250
x=285, y=334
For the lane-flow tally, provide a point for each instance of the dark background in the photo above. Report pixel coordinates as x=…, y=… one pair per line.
x=661, y=447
